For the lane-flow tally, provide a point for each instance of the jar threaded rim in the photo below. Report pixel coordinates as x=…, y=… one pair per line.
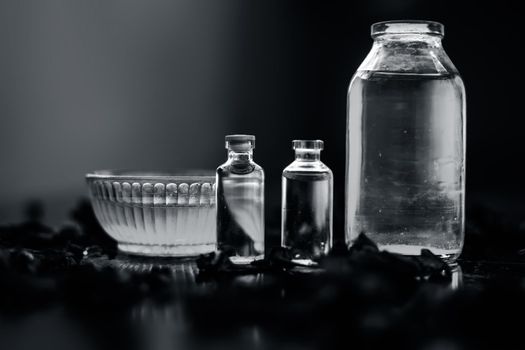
x=407, y=27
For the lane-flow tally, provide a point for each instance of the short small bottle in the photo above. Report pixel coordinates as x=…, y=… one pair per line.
x=240, y=202
x=307, y=191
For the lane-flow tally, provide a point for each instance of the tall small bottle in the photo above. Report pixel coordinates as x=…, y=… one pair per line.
x=307, y=190
x=240, y=202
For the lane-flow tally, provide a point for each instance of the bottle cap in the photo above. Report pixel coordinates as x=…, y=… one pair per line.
x=240, y=142
x=308, y=144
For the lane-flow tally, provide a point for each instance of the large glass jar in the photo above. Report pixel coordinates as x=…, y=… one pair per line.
x=405, y=181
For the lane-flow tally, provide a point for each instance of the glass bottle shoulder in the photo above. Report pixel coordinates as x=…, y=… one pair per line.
x=403, y=56
x=245, y=169
x=315, y=169
x=405, y=64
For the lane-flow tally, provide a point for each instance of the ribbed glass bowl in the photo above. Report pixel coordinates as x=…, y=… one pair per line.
x=156, y=214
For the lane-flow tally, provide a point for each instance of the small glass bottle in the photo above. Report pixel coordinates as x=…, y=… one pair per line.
x=307, y=191
x=240, y=202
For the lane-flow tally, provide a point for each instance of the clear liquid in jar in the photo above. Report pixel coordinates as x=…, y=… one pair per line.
x=406, y=171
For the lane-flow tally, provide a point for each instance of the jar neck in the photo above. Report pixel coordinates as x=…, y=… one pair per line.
x=308, y=155
x=240, y=156
x=413, y=39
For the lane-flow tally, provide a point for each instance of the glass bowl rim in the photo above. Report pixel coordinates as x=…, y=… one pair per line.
x=141, y=175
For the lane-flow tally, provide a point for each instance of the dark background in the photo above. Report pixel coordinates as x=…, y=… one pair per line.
x=157, y=85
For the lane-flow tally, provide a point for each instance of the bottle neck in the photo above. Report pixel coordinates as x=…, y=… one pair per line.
x=240, y=156
x=307, y=155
